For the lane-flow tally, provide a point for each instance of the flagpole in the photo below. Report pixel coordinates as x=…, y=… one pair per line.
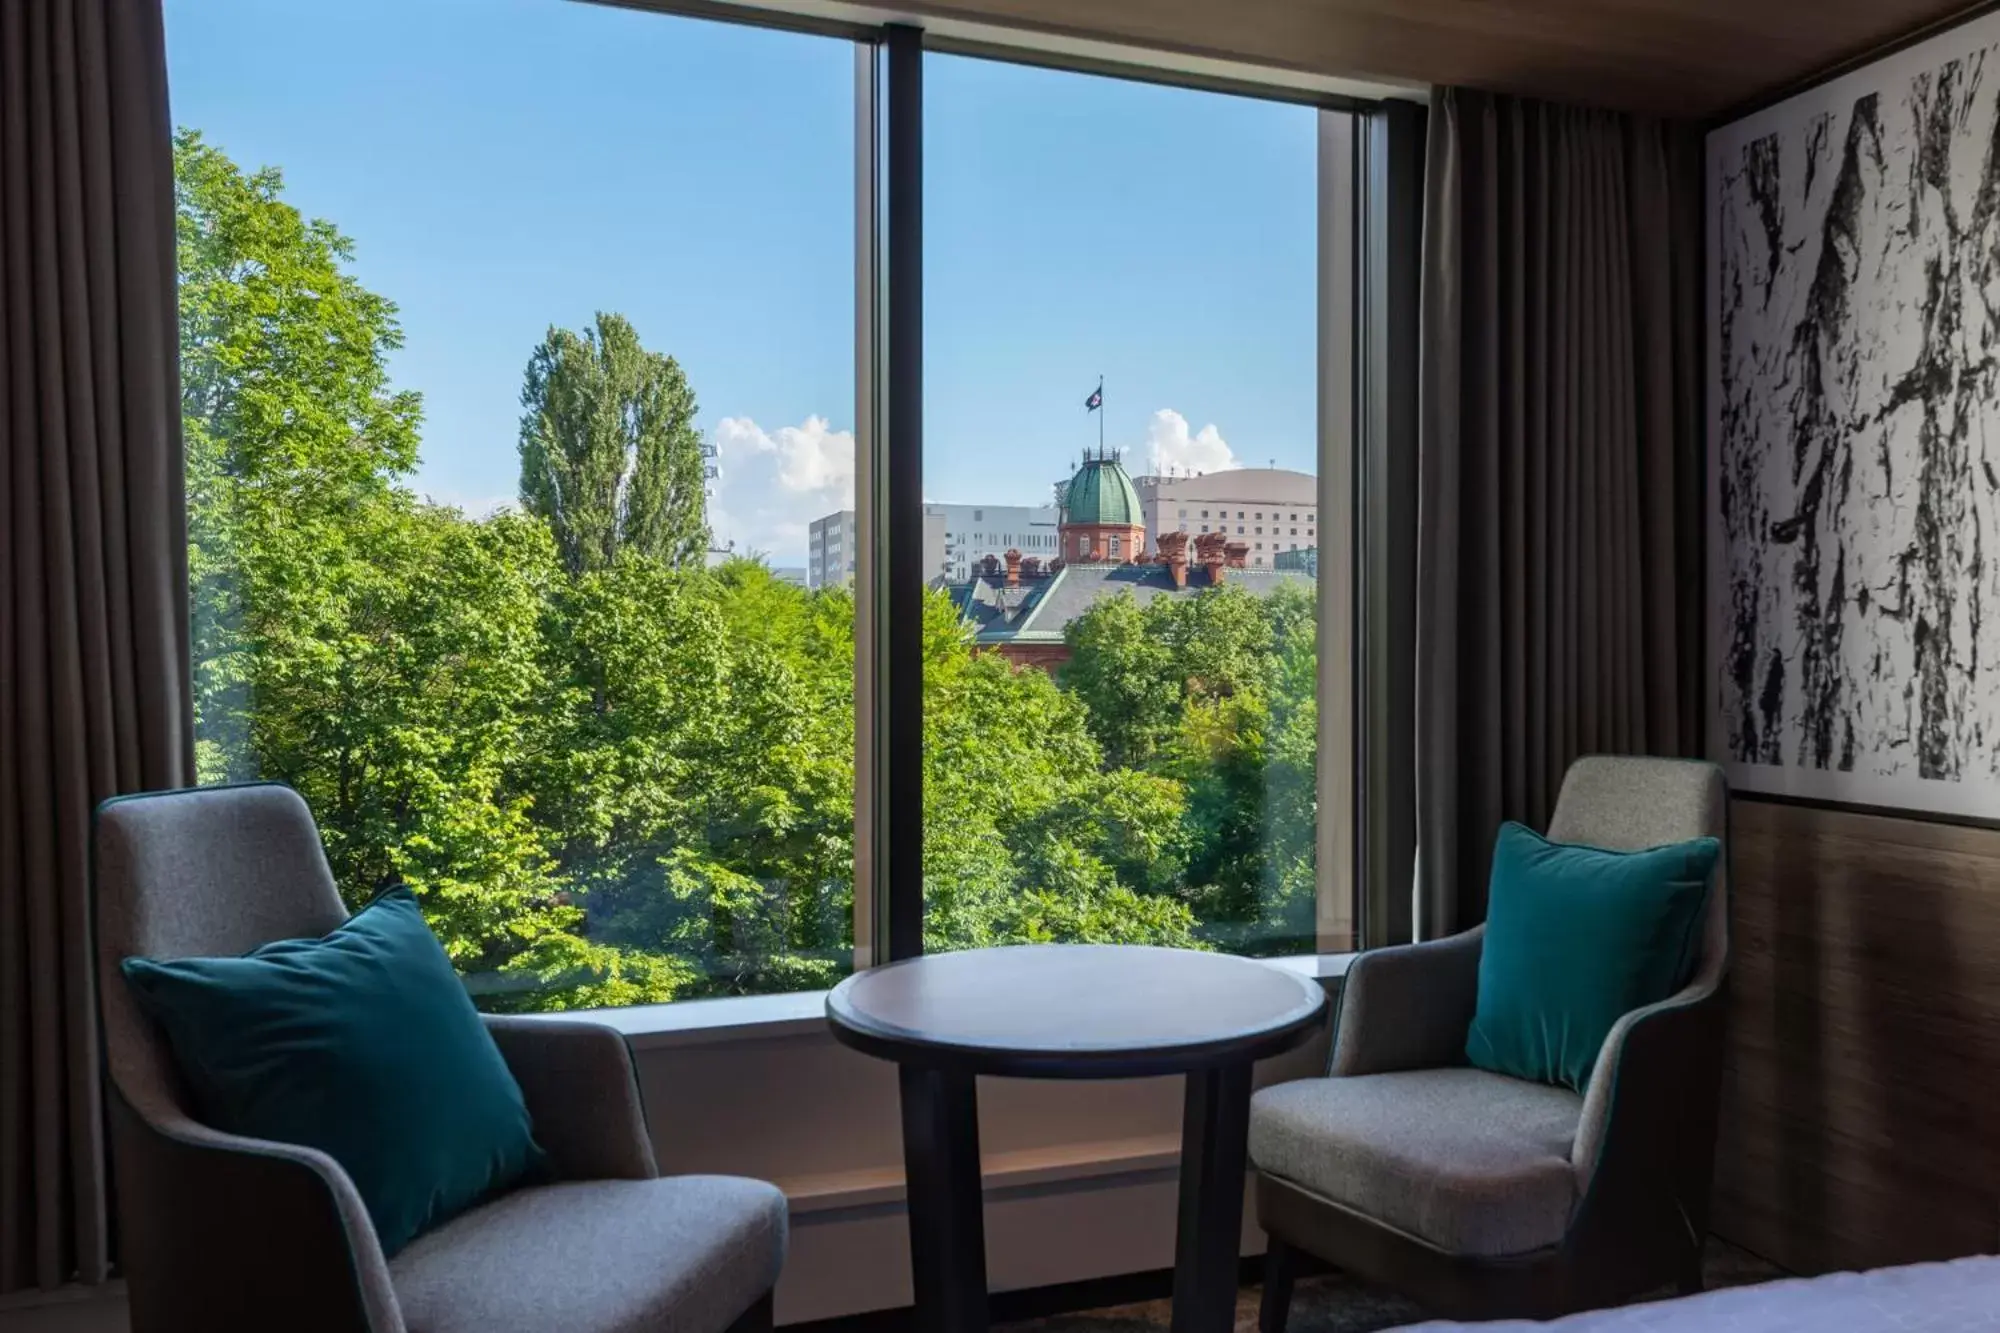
x=1100, y=416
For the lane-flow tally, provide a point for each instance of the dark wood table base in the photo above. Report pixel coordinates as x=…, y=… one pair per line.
x=947, y=1205
x=1215, y=1133
x=1072, y=1012
x=947, y=1202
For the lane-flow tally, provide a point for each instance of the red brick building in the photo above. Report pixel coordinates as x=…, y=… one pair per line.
x=1020, y=608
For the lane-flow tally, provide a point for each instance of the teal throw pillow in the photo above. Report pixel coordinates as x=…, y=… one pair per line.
x=362, y=1044
x=1576, y=938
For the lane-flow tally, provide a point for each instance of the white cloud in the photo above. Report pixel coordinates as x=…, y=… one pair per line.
x=1171, y=446
x=774, y=483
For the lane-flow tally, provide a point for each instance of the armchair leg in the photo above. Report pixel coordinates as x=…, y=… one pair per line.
x=1690, y=1281
x=756, y=1319
x=1281, y=1270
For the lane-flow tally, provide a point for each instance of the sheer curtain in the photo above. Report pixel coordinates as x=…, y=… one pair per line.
x=94, y=694
x=1559, y=467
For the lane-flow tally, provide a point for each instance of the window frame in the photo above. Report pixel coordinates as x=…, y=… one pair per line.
x=1342, y=922
x=882, y=544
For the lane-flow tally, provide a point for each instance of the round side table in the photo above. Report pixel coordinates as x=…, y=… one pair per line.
x=1079, y=1011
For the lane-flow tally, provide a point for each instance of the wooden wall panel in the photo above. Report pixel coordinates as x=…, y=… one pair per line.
x=1861, y=1098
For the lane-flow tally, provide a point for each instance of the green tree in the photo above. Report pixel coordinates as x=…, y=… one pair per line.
x=1028, y=835
x=615, y=776
x=609, y=453
x=700, y=772
x=400, y=695
x=377, y=653
x=291, y=427
x=1215, y=692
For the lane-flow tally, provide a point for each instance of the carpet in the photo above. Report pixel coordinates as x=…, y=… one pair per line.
x=1338, y=1304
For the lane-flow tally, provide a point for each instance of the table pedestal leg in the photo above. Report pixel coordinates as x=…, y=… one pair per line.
x=1215, y=1129
x=946, y=1205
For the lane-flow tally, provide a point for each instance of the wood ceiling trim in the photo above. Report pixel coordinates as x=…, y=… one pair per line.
x=1698, y=59
x=1691, y=58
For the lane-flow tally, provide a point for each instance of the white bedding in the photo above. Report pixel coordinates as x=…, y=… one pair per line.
x=1962, y=1296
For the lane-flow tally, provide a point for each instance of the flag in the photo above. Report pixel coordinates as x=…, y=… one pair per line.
x=1096, y=399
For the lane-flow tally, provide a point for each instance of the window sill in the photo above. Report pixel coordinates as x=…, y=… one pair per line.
x=833, y=1191
x=802, y=1013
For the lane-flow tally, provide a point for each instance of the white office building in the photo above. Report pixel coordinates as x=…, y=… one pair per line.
x=831, y=549
x=957, y=537
x=1267, y=509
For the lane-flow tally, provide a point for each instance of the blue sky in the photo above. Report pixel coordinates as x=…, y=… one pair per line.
x=502, y=165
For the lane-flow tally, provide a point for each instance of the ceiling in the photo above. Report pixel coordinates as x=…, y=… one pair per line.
x=1673, y=57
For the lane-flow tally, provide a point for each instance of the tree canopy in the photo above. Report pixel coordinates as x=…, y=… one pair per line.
x=609, y=455
x=613, y=774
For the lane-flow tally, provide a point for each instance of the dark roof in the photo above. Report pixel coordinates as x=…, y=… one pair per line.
x=1040, y=609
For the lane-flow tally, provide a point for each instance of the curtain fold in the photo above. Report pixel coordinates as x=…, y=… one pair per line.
x=94, y=691
x=1559, y=467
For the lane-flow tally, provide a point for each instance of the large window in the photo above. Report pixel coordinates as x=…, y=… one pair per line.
x=518, y=357
x=1121, y=317
x=556, y=524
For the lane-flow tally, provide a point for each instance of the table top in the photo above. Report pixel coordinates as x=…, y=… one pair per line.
x=1075, y=1010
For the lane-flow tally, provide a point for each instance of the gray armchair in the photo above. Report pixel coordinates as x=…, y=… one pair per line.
x=220, y=1233
x=1485, y=1196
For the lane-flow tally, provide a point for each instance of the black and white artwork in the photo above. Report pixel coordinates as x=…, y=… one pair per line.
x=1854, y=435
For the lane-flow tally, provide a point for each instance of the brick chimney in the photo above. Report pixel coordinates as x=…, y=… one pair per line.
x=1208, y=553
x=1237, y=554
x=1013, y=568
x=1173, y=554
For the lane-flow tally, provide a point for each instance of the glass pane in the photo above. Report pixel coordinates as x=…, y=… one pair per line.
x=517, y=349
x=1120, y=327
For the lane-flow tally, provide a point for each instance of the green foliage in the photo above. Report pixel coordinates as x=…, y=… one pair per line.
x=612, y=775
x=561, y=972
x=290, y=426
x=609, y=454
x=378, y=654
x=1215, y=692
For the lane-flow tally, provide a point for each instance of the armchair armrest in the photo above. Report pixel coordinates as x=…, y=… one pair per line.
x=1652, y=1100
x=226, y=1233
x=582, y=1094
x=1408, y=1007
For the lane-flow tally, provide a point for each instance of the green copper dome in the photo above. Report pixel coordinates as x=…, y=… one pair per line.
x=1100, y=492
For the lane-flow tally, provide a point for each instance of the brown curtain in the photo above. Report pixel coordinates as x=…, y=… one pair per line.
x=1559, y=466
x=94, y=695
